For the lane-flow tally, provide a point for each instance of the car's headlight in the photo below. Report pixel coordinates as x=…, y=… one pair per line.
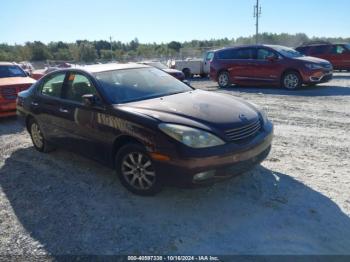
x=191, y=137
x=313, y=66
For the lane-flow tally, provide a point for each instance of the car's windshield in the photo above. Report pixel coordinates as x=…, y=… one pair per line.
x=158, y=65
x=288, y=52
x=11, y=71
x=128, y=85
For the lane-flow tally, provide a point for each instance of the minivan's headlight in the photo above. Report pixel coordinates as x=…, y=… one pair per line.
x=191, y=137
x=313, y=66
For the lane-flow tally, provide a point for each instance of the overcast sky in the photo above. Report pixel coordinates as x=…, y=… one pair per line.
x=165, y=20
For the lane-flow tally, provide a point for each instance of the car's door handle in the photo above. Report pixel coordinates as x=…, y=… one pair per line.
x=34, y=104
x=62, y=110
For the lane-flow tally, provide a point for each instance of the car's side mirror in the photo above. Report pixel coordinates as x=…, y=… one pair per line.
x=28, y=73
x=271, y=58
x=89, y=100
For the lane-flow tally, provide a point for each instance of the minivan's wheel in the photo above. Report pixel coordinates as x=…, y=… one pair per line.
x=224, y=79
x=136, y=170
x=187, y=73
x=291, y=80
x=38, y=138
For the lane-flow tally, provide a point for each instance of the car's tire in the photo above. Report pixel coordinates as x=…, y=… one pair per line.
x=187, y=73
x=291, y=80
x=136, y=170
x=38, y=137
x=224, y=79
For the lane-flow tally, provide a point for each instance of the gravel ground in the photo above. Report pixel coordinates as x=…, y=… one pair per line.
x=296, y=202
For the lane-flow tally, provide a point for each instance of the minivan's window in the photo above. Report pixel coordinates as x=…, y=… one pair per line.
x=227, y=54
x=53, y=85
x=246, y=53
x=79, y=85
x=122, y=86
x=11, y=71
x=264, y=53
x=338, y=49
x=319, y=50
x=288, y=52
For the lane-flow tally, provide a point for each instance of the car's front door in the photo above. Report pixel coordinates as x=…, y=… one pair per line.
x=83, y=133
x=340, y=57
x=267, y=66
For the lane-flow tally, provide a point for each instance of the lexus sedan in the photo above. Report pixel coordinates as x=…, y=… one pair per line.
x=150, y=127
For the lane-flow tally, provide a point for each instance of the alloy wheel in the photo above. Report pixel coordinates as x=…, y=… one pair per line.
x=291, y=81
x=138, y=171
x=37, y=136
x=223, y=80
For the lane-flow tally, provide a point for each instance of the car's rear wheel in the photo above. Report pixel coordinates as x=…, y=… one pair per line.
x=224, y=79
x=136, y=170
x=291, y=80
x=38, y=137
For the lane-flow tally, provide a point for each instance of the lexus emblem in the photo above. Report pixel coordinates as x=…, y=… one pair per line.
x=243, y=118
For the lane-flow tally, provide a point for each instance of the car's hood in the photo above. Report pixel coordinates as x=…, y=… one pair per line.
x=207, y=110
x=312, y=59
x=10, y=81
x=172, y=71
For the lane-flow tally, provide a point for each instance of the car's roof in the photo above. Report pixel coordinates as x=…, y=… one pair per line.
x=109, y=67
x=253, y=46
x=6, y=63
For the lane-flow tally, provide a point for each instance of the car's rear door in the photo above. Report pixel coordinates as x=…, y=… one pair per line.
x=83, y=133
x=46, y=105
x=239, y=62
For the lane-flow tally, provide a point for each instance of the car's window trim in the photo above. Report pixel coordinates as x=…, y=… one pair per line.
x=238, y=49
x=44, y=80
x=65, y=89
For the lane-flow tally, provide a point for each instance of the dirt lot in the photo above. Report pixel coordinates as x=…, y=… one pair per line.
x=296, y=202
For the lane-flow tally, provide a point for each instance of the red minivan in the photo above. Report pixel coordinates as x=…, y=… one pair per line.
x=337, y=54
x=268, y=65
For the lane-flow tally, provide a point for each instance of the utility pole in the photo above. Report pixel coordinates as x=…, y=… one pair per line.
x=257, y=14
x=110, y=41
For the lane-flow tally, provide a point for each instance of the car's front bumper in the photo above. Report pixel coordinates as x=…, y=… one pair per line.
x=7, y=109
x=222, y=164
x=317, y=76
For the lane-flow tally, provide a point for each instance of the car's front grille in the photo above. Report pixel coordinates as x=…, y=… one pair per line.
x=244, y=132
x=9, y=93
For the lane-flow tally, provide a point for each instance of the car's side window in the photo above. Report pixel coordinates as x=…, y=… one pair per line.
x=263, y=54
x=79, y=85
x=53, y=86
x=246, y=53
x=338, y=50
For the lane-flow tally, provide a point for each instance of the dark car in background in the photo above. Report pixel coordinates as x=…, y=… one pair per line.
x=337, y=54
x=13, y=79
x=150, y=127
x=268, y=64
x=173, y=72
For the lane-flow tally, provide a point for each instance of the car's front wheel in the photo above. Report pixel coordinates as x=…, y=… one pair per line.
x=38, y=138
x=224, y=79
x=136, y=170
x=291, y=80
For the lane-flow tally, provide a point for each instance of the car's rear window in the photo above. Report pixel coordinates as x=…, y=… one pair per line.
x=128, y=85
x=11, y=71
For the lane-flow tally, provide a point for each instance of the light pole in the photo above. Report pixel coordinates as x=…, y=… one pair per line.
x=257, y=14
x=110, y=41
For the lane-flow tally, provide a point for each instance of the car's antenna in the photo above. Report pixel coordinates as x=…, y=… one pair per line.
x=257, y=14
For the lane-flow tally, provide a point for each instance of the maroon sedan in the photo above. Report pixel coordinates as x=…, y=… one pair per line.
x=268, y=64
x=173, y=72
